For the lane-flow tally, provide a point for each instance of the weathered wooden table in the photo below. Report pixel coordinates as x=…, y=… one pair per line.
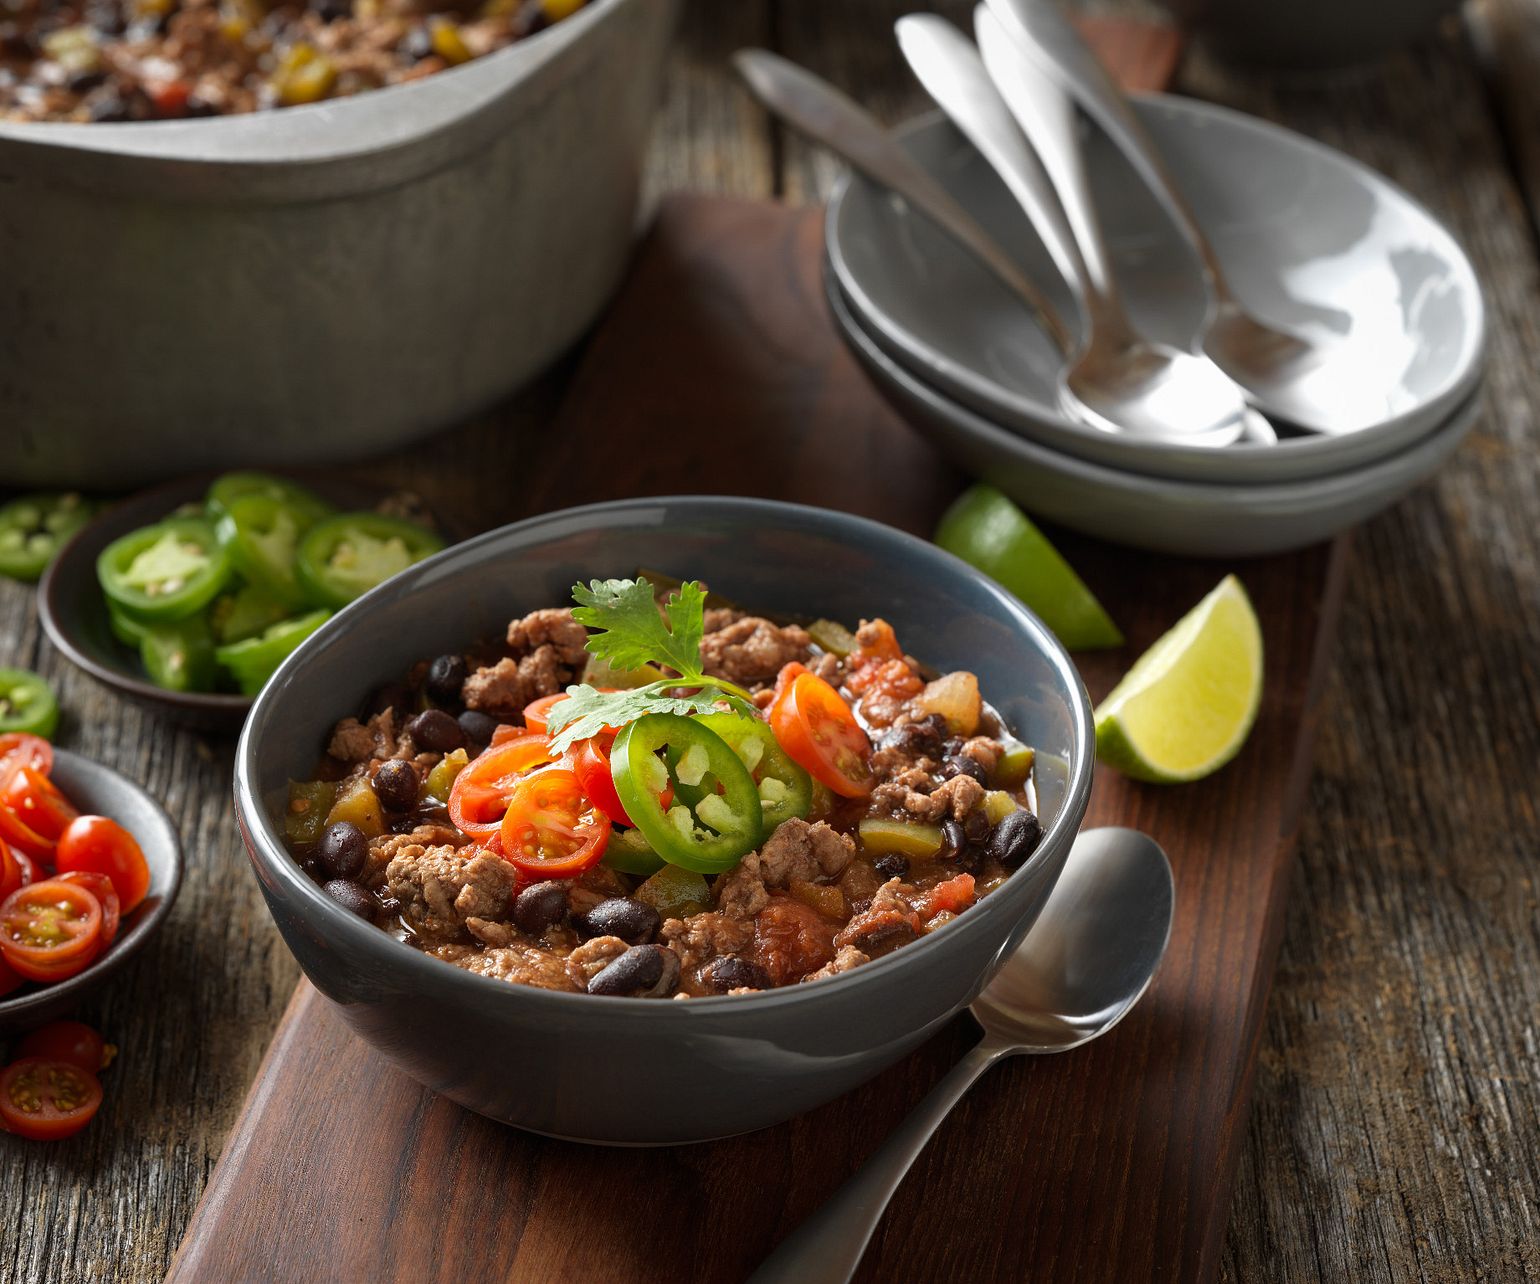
x=1395, y=1125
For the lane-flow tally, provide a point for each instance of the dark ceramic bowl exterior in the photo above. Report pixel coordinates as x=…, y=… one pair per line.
x=98, y=790
x=635, y=1071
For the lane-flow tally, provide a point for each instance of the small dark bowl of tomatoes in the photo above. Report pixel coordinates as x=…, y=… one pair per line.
x=90, y=865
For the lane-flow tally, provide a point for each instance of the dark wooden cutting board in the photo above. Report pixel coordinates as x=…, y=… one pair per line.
x=718, y=370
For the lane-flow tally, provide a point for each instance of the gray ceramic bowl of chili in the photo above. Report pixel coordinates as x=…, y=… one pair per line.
x=637, y=1071
x=101, y=791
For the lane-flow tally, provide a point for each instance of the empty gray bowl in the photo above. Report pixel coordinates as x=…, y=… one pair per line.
x=1311, y=240
x=101, y=791
x=636, y=1070
x=1194, y=519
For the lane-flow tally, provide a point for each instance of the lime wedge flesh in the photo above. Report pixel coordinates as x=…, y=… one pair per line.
x=988, y=531
x=1188, y=704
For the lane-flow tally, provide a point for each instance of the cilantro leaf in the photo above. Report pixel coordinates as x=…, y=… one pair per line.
x=586, y=711
x=632, y=633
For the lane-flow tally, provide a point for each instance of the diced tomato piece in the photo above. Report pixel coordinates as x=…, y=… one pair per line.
x=792, y=940
x=952, y=896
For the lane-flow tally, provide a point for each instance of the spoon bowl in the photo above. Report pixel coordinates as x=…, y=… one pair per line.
x=1088, y=959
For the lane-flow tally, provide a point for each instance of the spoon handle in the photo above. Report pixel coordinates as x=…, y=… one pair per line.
x=818, y=110
x=827, y=1247
x=1047, y=35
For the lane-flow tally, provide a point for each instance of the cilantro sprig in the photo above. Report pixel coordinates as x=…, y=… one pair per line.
x=630, y=633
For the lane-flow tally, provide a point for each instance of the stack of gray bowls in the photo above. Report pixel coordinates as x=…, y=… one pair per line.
x=1312, y=242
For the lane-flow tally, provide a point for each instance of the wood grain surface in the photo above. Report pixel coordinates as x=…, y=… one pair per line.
x=1394, y=1126
x=1126, y=1149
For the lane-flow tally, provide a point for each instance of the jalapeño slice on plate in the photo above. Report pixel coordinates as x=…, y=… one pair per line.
x=27, y=704
x=254, y=661
x=179, y=654
x=262, y=536
x=344, y=557
x=665, y=752
x=34, y=528
x=167, y=571
x=307, y=506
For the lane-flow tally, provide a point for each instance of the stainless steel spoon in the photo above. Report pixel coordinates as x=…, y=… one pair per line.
x=1312, y=385
x=1156, y=390
x=1114, y=397
x=1087, y=960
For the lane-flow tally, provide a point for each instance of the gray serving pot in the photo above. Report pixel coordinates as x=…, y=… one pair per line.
x=639, y=1071
x=320, y=282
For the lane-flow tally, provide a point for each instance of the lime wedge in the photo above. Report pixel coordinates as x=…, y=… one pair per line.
x=1188, y=704
x=986, y=530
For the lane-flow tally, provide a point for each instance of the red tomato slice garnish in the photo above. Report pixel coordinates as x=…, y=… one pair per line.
x=73, y=1042
x=591, y=765
x=18, y=749
x=100, y=886
x=820, y=732
x=46, y=1099
x=50, y=930
x=552, y=829
x=537, y=715
x=12, y=875
x=37, y=802
x=479, y=797
x=97, y=845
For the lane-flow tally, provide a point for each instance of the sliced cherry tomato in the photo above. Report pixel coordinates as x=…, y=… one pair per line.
x=8, y=979
x=591, y=765
x=817, y=728
x=98, y=845
x=73, y=1042
x=481, y=791
x=31, y=871
x=537, y=715
x=18, y=749
x=100, y=886
x=45, y=1099
x=22, y=837
x=50, y=930
x=37, y=802
x=552, y=829
x=11, y=874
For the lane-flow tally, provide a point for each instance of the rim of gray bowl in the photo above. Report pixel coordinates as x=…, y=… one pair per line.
x=79, y=770
x=265, y=848
x=1454, y=393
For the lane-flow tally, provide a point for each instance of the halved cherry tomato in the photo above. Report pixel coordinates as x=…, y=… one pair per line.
x=98, y=845
x=22, y=837
x=537, y=715
x=18, y=749
x=73, y=1042
x=817, y=728
x=481, y=791
x=100, y=886
x=45, y=1099
x=31, y=871
x=37, y=802
x=11, y=875
x=551, y=829
x=591, y=765
x=50, y=930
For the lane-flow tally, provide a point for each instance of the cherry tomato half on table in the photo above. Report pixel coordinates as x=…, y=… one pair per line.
x=51, y=930
x=820, y=732
x=46, y=1099
x=71, y=1041
x=551, y=828
x=98, y=845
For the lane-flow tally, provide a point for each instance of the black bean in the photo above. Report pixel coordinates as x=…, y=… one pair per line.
x=197, y=106
x=417, y=44
x=446, y=675
x=435, y=731
x=83, y=82
x=953, y=840
x=632, y=921
x=953, y=746
x=110, y=109
x=975, y=826
x=539, y=906
x=106, y=18
x=478, y=728
x=342, y=849
x=331, y=10
x=922, y=739
x=1015, y=838
x=959, y=764
x=351, y=896
x=726, y=974
x=16, y=43
x=396, y=785
x=643, y=972
x=893, y=865
x=393, y=695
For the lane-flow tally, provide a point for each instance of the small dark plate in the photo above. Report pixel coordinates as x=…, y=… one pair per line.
x=100, y=791
x=74, y=612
